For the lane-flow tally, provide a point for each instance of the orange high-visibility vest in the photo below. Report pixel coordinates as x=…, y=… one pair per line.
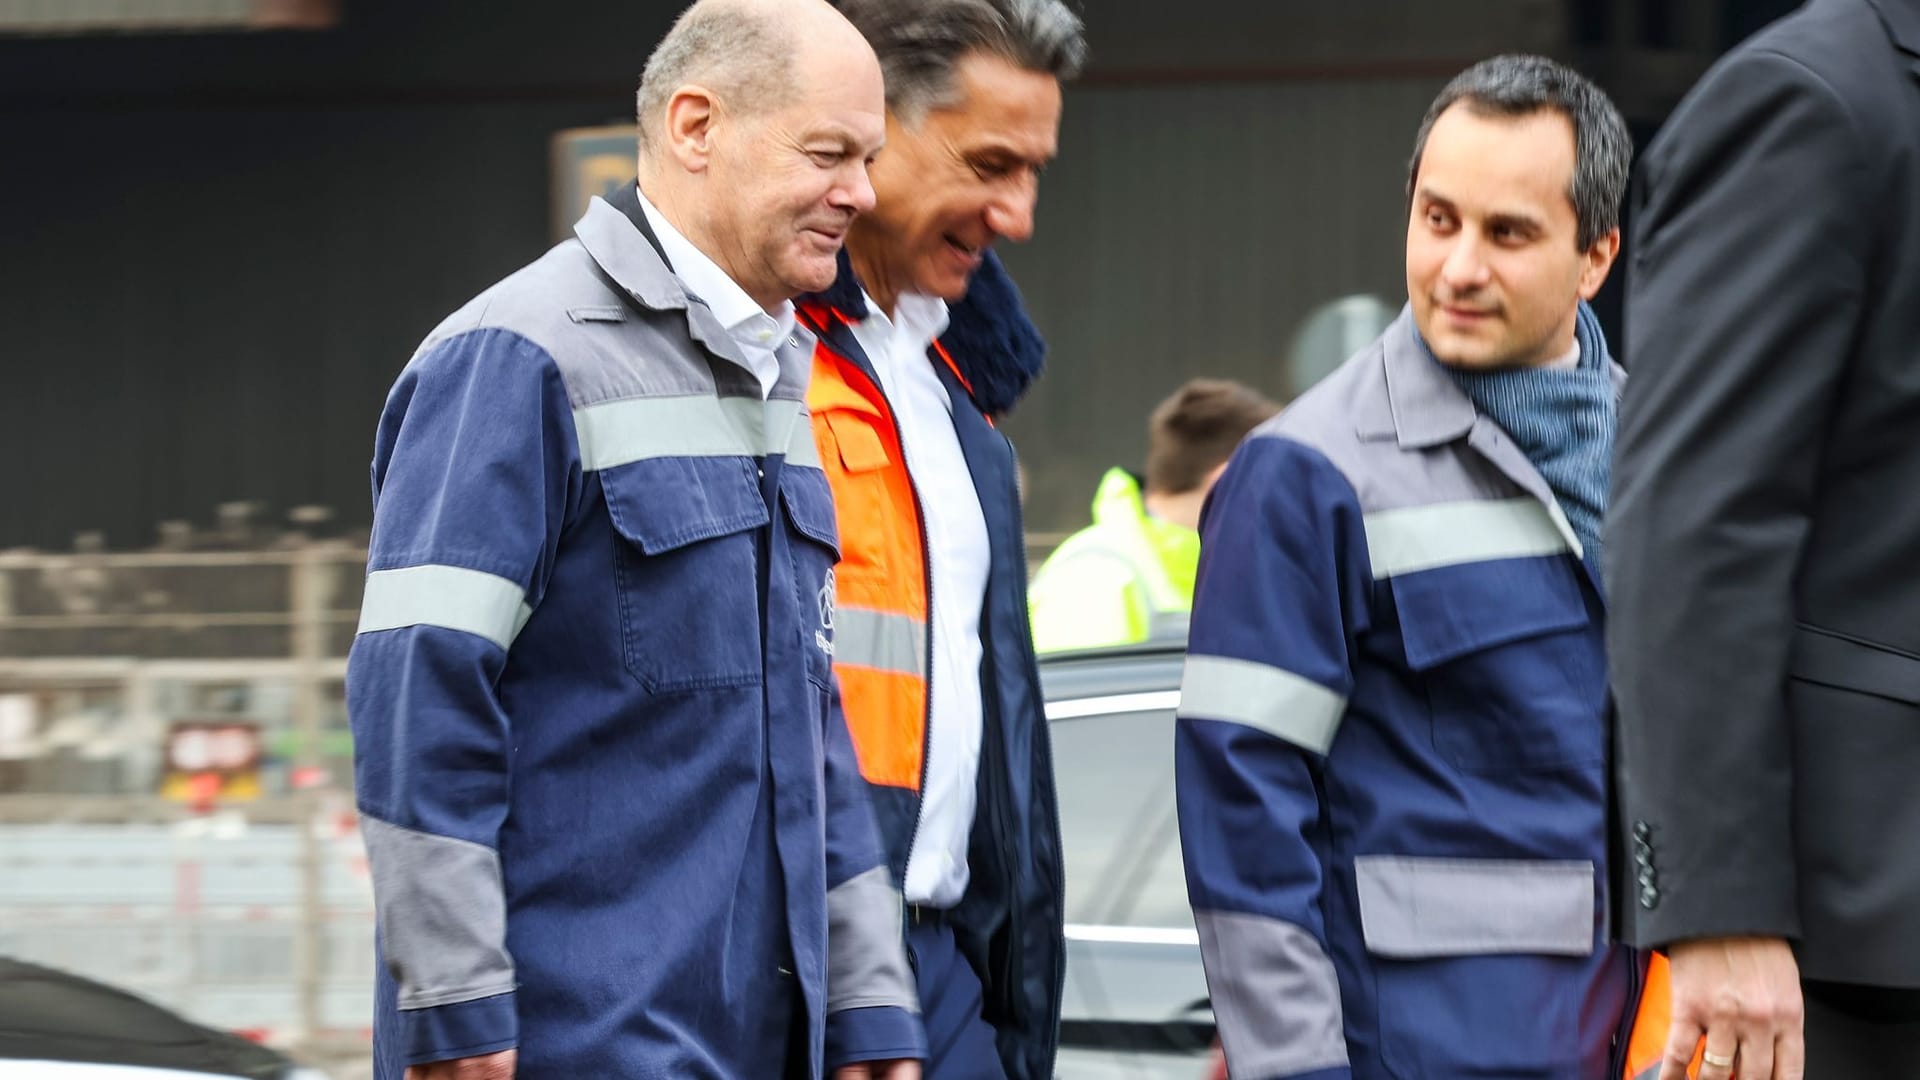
x=880, y=647
x=881, y=642
x=1651, y=1023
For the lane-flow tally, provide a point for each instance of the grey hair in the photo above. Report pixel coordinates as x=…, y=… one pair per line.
x=735, y=50
x=1516, y=85
x=919, y=42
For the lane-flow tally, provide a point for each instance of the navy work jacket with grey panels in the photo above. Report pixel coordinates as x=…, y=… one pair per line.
x=610, y=803
x=1391, y=752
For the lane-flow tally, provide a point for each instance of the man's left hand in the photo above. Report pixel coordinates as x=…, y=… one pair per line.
x=903, y=1069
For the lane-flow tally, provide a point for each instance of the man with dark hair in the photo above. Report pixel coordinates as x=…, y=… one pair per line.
x=1128, y=577
x=1391, y=753
x=612, y=816
x=923, y=341
x=1765, y=553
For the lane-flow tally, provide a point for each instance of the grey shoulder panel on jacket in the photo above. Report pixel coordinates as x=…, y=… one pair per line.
x=1349, y=418
x=604, y=349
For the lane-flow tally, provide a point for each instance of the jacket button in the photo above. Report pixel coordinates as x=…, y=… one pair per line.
x=1649, y=897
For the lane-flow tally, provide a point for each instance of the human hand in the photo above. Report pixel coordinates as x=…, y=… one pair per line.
x=1742, y=995
x=497, y=1066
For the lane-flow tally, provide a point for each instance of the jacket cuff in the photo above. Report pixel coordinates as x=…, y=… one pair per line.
x=876, y=1033
x=464, y=1029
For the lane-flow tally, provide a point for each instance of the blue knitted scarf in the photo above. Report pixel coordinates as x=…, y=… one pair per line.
x=1564, y=422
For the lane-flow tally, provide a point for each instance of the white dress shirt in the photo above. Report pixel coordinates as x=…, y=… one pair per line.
x=758, y=332
x=956, y=539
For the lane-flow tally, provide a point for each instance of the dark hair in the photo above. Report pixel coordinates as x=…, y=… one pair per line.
x=1194, y=431
x=1517, y=85
x=919, y=42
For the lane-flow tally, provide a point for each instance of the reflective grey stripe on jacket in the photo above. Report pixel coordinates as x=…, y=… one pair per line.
x=866, y=965
x=1256, y=963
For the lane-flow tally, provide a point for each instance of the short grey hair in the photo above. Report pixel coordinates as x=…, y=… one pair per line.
x=1517, y=85
x=919, y=42
x=735, y=50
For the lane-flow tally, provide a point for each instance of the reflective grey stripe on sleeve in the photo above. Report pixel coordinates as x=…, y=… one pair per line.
x=801, y=449
x=1447, y=534
x=450, y=597
x=1413, y=907
x=866, y=954
x=881, y=640
x=443, y=921
x=698, y=425
x=1275, y=995
x=1271, y=699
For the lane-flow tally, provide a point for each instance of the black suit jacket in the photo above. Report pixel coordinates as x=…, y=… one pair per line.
x=1763, y=548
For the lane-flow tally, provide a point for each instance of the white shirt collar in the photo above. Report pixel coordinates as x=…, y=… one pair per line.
x=916, y=316
x=758, y=332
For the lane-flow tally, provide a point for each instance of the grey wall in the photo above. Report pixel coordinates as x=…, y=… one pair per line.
x=199, y=306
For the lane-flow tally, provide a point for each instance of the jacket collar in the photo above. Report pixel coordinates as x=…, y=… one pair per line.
x=992, y=341
x=618, y=238
x=608, y=232
x=1902, y=20
x=1426, y=407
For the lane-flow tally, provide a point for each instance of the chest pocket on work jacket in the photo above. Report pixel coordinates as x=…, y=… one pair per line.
x=858, y=449
x=1513, y=670
x=685, y=571
x=809, y=503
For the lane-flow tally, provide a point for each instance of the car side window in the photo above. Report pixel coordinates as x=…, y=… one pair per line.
x=1117, y=820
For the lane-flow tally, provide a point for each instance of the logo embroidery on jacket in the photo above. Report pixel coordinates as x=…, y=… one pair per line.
x=827, y=594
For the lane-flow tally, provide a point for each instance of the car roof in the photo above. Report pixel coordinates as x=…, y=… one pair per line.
x=52, y=1015
x=1132, y=669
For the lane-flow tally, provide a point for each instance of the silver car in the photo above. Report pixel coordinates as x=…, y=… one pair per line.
x=1136, y=998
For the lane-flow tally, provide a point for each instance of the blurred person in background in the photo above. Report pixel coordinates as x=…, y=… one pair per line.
x=923, y=342
x=1764, y=553
x=1128, y=577
x=614, y=823
x=1391, y=752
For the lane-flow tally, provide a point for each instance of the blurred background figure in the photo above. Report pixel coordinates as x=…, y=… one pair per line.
x=1128, y=577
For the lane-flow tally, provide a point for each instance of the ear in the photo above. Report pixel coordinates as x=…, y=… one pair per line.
x=692, y=114
x=1597, y=262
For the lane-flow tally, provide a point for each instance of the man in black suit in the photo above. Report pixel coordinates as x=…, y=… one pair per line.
x=1764, y=553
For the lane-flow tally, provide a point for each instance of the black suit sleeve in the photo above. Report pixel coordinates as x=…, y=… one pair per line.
x=1745, y=282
